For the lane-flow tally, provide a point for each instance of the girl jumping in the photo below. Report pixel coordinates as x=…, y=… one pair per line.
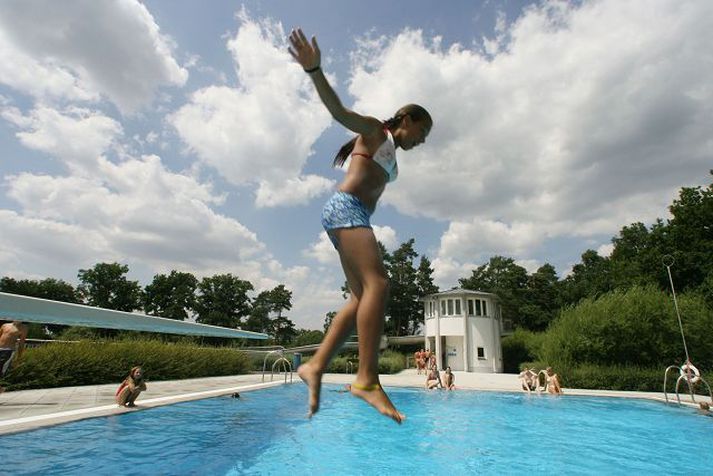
x=346, y=220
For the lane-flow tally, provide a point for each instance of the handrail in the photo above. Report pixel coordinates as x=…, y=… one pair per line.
x=285, y=365
x=684, y=377
x=349, y=367
x=264, y=362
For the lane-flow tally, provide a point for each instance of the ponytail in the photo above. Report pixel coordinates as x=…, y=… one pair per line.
x=416, y=112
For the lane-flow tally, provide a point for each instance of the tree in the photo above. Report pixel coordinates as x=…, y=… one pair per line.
x=590, y=278
x=541, y=299
x=506, y=279
x=307, y=337
x=403, y=305
x=49, y=288
x=259, y=319
x=223, y=300
x=328, y=318
x=424, y=282
x=105, y=285
x=280, y=299
x=283, y=330
x=171, y=296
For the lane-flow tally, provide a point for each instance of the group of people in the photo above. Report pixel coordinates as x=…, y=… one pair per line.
x=433, y=379
x=530, y=381
x=424, y=359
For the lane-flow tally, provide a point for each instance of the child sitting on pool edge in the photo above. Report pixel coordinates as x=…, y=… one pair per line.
x=130, y=388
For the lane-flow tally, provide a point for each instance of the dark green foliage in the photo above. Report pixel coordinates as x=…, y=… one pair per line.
x=171, y=296
x=633, y=327
x=521, y=346
x=223, y=300
x=307, y=337
x=105, y=285
x=91, y=363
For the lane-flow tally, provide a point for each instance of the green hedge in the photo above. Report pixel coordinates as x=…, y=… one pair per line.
x=635, y=327
x=390, y=362
x=91, y=363
x=521, y=346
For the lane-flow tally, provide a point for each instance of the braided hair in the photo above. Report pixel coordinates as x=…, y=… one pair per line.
x=416, y=112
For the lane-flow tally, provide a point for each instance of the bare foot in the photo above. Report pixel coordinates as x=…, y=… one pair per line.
x=313, y=379
x=377, y=398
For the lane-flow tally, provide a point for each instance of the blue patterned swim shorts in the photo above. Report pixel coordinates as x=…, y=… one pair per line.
x=344, y=210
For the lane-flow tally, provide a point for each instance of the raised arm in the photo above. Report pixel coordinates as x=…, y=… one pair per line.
x=309, y=57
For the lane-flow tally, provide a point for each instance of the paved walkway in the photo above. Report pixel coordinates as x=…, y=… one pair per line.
x=29, y=409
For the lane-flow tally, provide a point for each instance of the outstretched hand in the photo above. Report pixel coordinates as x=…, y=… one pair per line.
x=305, y=53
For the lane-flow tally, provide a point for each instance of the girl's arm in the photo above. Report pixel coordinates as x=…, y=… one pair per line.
x=308, y=56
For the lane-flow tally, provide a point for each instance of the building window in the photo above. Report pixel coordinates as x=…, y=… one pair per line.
x=450, y=307
x=485, y=309
x=470, y=307
x=458, y=307
x=443, y=308
x=481, y=353
x=477, y=308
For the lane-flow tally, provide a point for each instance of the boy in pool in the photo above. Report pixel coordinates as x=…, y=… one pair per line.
x=346, y=220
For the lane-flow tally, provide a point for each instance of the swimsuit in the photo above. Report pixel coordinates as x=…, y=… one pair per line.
x=385, y=156
x=344, y=210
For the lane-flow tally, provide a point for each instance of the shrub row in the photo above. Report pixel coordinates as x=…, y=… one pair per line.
x=91, y=363
x=390, y=362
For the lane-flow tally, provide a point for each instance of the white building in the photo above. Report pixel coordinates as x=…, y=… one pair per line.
x=463, y=329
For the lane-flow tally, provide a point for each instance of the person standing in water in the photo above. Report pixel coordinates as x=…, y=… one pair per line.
x=345, y=218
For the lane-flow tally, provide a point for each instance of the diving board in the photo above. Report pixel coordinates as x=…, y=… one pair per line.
x=30, y=309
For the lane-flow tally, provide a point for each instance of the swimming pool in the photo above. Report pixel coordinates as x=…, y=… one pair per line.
x=462, y=432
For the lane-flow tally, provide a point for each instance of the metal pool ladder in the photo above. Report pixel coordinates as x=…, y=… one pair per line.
x=282, y=364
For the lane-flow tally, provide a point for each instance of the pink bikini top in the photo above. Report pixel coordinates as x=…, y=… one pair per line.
x=385, y=156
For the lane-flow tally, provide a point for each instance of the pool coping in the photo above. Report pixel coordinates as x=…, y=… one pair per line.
x=479, y=382
x=34, y=422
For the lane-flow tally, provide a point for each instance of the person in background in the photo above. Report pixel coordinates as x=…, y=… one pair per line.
x=12, y=345
x=449, y=379
x=130, y=388
x=433, y=380
x=553, y=382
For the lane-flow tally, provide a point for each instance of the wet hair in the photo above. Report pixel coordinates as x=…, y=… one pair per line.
x=414, y=111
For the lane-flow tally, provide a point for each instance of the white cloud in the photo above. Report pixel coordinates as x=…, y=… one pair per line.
x=605, y=250
x=293, y=191
x=77, y=136
x=582, y=119
x=386, y=235
x=82, y=49
x=262, y=130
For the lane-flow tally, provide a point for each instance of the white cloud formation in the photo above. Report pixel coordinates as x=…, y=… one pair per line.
x=583, y=118
x=261, y=131
x=77, y=136
x=293, y=191
x=83, y=49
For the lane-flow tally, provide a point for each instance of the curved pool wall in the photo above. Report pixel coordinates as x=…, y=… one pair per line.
x=461, y=432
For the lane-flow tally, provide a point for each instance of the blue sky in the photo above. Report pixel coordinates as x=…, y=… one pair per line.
x=180, y=135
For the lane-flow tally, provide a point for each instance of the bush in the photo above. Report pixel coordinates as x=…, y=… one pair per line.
x=636, y=327
x=91, y=363
x=521, y=346
x=390, y=362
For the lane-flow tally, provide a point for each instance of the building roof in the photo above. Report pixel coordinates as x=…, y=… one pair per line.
x=459, y=292
x=30, y=309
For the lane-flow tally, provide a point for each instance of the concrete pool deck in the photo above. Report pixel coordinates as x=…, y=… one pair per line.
x=29, y=409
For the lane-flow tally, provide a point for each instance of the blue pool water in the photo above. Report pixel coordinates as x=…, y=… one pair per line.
x=461, y=432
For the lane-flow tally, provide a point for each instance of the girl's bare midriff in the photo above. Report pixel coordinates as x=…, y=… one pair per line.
x=365, y=180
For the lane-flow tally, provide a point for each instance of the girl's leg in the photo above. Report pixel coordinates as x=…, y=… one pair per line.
x=360, y=253
x=341, y=328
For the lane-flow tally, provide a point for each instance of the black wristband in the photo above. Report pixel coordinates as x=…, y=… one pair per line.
x=312, y=70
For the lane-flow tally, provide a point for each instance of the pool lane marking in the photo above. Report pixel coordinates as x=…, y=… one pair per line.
x=83, y=411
